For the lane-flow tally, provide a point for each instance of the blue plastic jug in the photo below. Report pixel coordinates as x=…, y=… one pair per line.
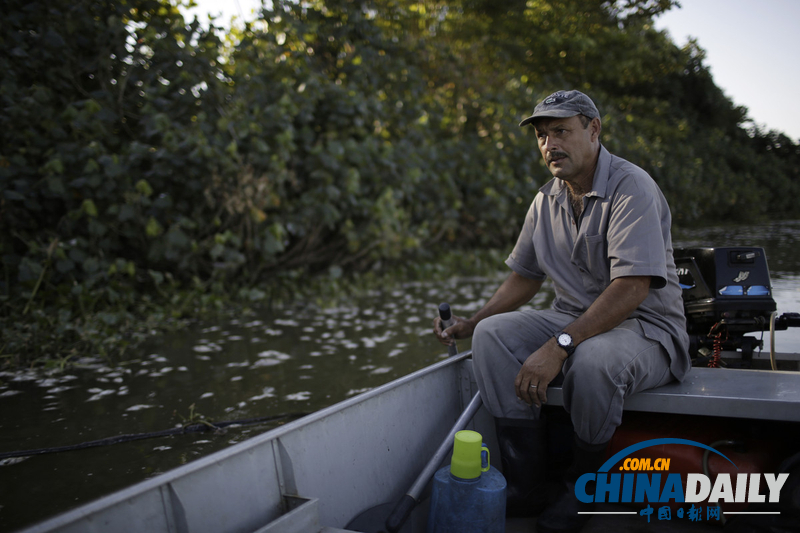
x=469, y=496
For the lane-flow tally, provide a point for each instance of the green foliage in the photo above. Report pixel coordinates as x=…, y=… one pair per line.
x=150, y=170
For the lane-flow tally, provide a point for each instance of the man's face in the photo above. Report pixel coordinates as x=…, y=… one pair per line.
x=569, y=149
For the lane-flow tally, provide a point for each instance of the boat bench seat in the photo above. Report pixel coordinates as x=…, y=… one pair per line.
x=725, y=392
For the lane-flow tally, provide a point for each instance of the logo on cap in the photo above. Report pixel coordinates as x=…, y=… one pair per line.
x=554, y=98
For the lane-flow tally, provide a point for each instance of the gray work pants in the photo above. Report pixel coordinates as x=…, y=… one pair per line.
x=597, y=377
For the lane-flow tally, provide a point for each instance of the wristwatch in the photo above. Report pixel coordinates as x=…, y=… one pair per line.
x=564, y=340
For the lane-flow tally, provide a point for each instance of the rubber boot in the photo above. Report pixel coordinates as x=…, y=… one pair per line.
x=560, y=435
x=562, y=516
x=523, y=454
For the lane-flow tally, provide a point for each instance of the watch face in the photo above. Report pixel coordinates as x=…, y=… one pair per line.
x=564, y=339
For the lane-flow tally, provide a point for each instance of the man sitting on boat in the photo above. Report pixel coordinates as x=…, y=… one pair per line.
x=600, y=230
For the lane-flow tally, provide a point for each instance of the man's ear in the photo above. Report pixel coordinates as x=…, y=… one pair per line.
x=596, y=127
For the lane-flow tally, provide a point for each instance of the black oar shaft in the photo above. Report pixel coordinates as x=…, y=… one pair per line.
x=407, y=503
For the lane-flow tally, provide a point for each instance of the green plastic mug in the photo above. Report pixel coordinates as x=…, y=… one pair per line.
x=467, y=448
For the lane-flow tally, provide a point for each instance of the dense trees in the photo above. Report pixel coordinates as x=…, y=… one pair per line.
x=146, y=163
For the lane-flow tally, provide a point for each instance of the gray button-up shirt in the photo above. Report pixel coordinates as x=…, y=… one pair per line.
x=624, y=230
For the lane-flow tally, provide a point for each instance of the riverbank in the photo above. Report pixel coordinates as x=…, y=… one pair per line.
x=50, y=335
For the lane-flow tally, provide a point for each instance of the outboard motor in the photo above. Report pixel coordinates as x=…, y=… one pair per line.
x=726, y=293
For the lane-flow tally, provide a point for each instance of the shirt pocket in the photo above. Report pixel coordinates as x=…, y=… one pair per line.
x=591, y=257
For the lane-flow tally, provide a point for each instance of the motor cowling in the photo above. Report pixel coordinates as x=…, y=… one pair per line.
x=729, y=285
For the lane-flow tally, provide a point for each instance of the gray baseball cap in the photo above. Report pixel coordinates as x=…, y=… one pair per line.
x=563, y=104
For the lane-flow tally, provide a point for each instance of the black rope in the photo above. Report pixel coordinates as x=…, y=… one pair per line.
x=190, y=428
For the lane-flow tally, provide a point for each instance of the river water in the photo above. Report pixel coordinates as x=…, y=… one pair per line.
x=282, y=362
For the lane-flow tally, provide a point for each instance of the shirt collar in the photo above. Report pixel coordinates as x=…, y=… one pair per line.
x=556, y=186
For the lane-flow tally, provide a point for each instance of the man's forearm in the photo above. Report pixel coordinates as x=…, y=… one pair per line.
x=515, y=291
x=612, y=307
